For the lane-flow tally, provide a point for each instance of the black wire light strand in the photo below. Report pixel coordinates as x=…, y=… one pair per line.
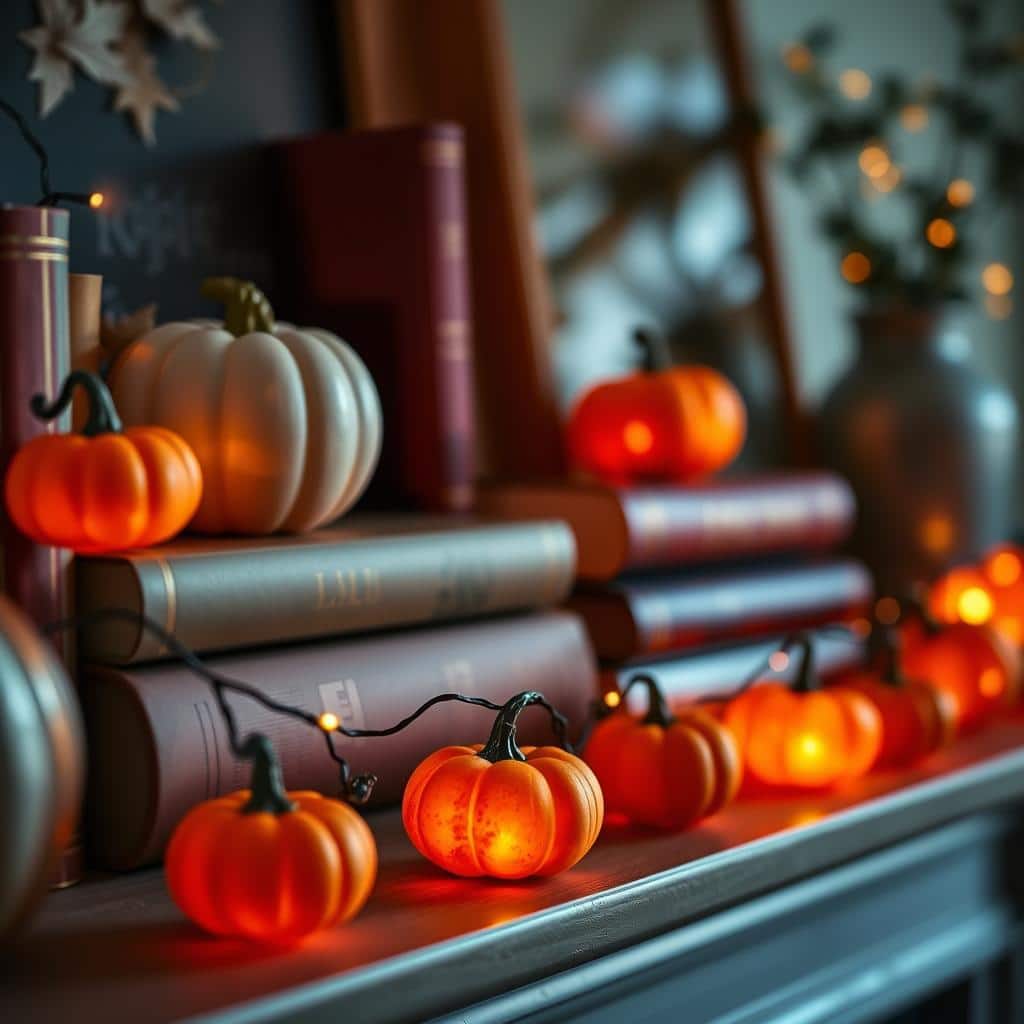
x=49, y=197
x=356, y=788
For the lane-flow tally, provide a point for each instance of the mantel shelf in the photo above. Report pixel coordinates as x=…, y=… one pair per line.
x=117, y=948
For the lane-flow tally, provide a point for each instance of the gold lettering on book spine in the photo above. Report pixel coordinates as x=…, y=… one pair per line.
x=347, y=588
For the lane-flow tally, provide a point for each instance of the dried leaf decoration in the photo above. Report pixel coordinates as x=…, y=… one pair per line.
x=105, y=39
x=181, y=20
x=117, y=334
x=65, y=39
x=142, y=92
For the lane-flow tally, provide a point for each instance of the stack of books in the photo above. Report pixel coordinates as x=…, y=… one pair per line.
x=685, y=580
x=366, y=621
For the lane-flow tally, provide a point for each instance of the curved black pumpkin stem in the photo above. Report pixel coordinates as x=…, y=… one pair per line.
x=246, y=308
x=914, y=606
x=885, y=653
x=806, y=674
x=654, y=352
x=658, y=712
x=268, y=792
x=501, y=744
x=103, y=417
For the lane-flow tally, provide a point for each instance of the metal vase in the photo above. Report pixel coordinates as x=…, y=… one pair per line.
x=928, y=443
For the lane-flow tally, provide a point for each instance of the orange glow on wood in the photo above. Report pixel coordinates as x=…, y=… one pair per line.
x=272, y=877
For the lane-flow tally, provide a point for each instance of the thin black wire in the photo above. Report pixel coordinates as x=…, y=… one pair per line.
x=30, y=138
x=49, y=198
x=357, y=788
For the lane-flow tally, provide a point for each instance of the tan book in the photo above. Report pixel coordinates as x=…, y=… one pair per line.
x=220, y=594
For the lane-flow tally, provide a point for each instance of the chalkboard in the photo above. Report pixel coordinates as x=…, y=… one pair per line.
x=201, y=201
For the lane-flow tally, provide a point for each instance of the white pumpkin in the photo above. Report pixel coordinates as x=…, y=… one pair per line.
x=285, y=421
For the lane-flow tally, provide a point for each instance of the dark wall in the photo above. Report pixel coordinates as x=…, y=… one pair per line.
x=199, y=202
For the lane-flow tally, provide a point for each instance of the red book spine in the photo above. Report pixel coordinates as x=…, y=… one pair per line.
x=448, y=328
x=158, y=745
x=729, y=519
x=374, y=247
x=34, y=357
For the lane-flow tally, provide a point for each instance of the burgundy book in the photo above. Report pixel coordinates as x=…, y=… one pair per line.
x=225, y=593
x=34, y=357
x=158, y=746
x=628, y=619
x=720, y=671
x=374, y=247
x=619, y=530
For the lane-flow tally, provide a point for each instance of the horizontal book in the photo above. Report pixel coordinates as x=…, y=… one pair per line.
x=619, y=530
x=720, y=671
x=158, y=745
x=224, y=594
x=635, y=618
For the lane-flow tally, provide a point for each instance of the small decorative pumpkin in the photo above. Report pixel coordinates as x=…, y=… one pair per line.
x=804, y=736
x=42, y=765
x=663, y=770
x=665, y=423
x=107, y=488
x=917, y=718
x=502, y=811
x=270, y=865
x=1003, y=572
x=977, y=667
x=285, y=421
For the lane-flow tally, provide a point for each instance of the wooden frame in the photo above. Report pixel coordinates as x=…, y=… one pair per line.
x=409, y=60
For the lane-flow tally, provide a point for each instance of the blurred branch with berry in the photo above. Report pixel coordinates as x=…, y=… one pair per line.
x=907, y=229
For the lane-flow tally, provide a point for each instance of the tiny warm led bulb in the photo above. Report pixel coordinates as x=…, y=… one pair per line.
x=96, y=200
x=328, y=721
x=612, y=699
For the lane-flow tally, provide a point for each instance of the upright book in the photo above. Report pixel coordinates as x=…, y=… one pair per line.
x=622, y=530
x=374, y=246
x=223, y=594
x=632, y=618
x=158, y=745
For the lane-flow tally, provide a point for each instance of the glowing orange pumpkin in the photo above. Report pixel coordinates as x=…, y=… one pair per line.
x=976, y=666
x=804, y=737
x=270, y=865
x=663, y=770
x=105, y=489
x=661, y=424
x=917, y=718
x=1003, y=571
x=500, y=810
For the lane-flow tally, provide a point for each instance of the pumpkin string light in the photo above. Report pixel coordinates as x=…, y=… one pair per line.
x=662, y=769
x=106, y=488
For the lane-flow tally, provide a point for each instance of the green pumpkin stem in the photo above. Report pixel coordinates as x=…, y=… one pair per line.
x=268, y=792
x=103, y=418
x=654, y=353
x=501, y=744
x=246, y=308
x=658, y=712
